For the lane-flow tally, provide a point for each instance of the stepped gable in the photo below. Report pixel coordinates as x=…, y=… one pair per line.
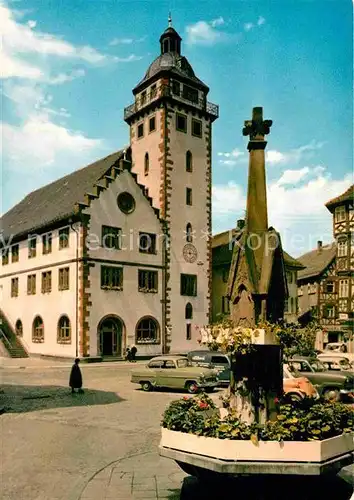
x=64, y=197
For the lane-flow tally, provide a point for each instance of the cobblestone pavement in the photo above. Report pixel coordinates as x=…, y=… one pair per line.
x=54, y=443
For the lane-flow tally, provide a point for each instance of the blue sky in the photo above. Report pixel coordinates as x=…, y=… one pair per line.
x=68, y=69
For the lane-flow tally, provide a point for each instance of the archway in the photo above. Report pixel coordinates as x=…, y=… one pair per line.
x=110, y=336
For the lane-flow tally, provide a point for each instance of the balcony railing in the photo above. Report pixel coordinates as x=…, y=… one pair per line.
x=166, y=91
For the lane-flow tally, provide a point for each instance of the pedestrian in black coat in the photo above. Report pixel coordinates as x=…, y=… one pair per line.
x=133, y=351
x=75, y=381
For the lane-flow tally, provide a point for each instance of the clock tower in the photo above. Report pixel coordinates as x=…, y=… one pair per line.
x=170, y=137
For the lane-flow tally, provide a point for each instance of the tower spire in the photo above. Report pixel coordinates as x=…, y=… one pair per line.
x=169, y=20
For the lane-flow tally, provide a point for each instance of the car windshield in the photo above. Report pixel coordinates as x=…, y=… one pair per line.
x=182, y=363
x=294, y=372
x=317, y=366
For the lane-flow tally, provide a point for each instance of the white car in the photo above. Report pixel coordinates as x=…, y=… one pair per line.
x=337, y=361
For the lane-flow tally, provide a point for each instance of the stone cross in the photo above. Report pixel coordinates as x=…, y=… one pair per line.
x=257, y=128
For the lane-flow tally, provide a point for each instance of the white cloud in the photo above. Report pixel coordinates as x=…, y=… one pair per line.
x=250, y=26
x=307, y=151
x=234, y=157
x=130, y=58
x=39, y=142
x=126, y=41
x=296, y=206
x=205, y=32
x=217, y=22
x=293, y=176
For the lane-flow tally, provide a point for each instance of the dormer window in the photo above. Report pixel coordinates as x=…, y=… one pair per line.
x=339, y=213
x=176, y=88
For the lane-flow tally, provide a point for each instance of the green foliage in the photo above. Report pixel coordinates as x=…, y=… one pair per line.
x=294, y=339
x=306, y=420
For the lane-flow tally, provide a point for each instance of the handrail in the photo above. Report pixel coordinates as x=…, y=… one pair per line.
x=3, y=335
x=167, y=90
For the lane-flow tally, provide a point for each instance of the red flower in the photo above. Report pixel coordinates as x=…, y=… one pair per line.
x=185, y=398
x=203, y=406
x=276, y=400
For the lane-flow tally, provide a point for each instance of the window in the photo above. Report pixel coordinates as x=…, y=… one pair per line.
x=5, y=256
x=190, y=94
x=342, y=248
x=38, y=330
x=63, y=278
x=146, y=164
x=111, y=278
x=219, y=360
x=196, y=128
x=63, y=238
x=343, y=288
x=126, y=202
x=47, y=282
x=15, y=253
x=111, y=237
x=140, y=130
x=176, y=87
x=147, y=281
x=292, y=305
x=14, y=287
x=189, y=285
x=286, y=305
x=189, y=311
x=189, y=196
x=47, y=243
x=152, y=124
x=153, y=91
x=188, y=331
x=181, y=122
x=32, y=247
x=189, y=162
x=64, y=331
x=339, y=214
x=31, y=284
x=143, y=98
x=155, y=364
x=147, y=243
x=168, y=364
x=147, y=331
x=19, y=328
x=329, y=287
x=300, y=290
x=189, y=233
x=329, y=311
x=225, y=305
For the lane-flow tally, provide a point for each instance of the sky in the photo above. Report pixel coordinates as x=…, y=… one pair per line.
x=68, y=69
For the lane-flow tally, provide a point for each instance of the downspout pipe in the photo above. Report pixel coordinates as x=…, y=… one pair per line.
x=76, y=230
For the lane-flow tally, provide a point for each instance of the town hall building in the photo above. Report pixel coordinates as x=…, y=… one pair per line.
x=119, y=252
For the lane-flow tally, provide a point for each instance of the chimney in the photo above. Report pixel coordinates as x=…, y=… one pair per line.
x=319, y=246
x=240, y=224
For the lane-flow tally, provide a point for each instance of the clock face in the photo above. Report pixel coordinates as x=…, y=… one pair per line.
x=190, y=253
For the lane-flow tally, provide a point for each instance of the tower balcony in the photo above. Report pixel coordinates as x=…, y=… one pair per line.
x=167, y=91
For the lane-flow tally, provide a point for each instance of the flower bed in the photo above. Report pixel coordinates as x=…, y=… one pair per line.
x=306, y=432
x=307, y=420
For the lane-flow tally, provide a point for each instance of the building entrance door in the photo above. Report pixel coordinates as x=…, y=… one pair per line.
x=110, y=337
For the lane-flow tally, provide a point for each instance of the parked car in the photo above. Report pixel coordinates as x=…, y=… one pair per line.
x=335, y=362
x=297, y=387
x=336, y=347
x=331, y=385
x=214, y=360
x=174, y=372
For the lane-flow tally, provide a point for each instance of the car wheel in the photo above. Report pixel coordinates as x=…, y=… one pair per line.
x=192, y=387
x=146, y=386
x=331, y=395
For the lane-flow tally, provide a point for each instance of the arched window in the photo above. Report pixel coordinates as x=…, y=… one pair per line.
x=165, y=46
x=64, y=330
x=38, y=330
x=147, y=331
x=19, y=328
x=146, y=164
x=189, y=311
x=189, y=162
x=189, y=233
